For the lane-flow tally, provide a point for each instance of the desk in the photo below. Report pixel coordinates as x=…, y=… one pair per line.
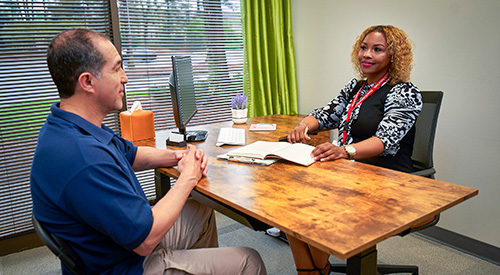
x=342, y=207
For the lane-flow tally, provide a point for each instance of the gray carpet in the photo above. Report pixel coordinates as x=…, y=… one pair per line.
x=431, y=257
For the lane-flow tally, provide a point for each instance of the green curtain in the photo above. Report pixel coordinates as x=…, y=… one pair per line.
x=269, y=76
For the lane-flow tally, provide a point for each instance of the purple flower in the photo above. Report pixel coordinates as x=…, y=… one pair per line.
x=239, y=101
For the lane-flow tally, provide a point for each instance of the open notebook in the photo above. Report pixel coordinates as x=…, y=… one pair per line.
x=298, y=152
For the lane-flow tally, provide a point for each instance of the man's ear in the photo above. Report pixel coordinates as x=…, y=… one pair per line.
x=86, y=82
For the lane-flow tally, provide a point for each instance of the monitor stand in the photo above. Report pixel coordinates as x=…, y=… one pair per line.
x=179, y=140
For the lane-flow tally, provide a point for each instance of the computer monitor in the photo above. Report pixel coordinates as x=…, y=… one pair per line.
x=183, y=97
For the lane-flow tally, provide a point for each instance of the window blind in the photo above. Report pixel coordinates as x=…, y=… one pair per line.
x=27, y=90
x=151, y=32
x=207, y=30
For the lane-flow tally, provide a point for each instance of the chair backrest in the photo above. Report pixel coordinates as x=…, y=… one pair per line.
x=425, y=130
x=58, y=246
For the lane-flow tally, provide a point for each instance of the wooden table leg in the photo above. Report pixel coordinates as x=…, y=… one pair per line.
x=162, y=185
x=365, y=263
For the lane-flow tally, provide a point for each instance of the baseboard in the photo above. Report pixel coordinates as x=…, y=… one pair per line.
x=19, y=243
x=463, y=243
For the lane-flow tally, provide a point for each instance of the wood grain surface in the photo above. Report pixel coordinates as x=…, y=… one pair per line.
x=341, y=206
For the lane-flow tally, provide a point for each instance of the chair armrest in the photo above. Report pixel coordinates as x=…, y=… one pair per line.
x=425, y=172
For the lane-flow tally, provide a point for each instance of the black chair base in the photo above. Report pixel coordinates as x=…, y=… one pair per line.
x=381, y=269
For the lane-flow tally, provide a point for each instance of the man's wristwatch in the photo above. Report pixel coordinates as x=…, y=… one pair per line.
x=350, y=150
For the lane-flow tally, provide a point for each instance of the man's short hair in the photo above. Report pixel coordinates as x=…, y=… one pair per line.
x=72, y=53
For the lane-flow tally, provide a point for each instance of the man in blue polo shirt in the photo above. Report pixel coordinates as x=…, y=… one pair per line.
x=84, y=188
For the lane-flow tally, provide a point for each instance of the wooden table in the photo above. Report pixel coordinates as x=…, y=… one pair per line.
x=342, y=207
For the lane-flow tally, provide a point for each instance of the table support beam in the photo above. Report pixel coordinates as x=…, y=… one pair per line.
x=162, y=184
x=364, y=263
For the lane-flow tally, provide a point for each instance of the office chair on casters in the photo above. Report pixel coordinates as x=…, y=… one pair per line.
x=58, y=246
x=422, y=156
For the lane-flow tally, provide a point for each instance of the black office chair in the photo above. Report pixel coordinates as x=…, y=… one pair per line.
x=58, y=246
x=424, y=136
x=422, y=156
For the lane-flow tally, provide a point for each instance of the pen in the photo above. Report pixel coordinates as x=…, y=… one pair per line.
x=244, y=160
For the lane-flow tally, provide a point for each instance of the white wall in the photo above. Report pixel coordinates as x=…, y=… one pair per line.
x=457, y=51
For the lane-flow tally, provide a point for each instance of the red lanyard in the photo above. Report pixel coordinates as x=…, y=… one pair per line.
x=355, y=104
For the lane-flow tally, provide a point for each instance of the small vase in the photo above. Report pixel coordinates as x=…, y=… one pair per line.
x=239, y=115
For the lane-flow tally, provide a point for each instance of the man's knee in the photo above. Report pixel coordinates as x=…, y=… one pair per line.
x=252, y=261
x=193, y=208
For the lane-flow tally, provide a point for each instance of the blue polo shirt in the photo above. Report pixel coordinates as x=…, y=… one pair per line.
x=85, y=191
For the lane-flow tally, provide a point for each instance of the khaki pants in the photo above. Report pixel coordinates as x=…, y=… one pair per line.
x=190, y=247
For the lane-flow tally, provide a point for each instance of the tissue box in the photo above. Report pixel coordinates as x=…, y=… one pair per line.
x=137, y=125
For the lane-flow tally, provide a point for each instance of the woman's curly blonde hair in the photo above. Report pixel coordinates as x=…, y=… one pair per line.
x=399, y=48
